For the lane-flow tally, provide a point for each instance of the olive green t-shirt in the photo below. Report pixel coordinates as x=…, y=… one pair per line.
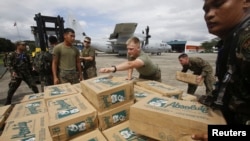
x=86, y=52
x=67, y=56
x=149, y=67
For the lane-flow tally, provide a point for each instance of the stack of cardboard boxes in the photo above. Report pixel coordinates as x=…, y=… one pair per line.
x=60, y=113
x=161, y=88
x=171, y=119
x=70, y=114
x=112, y=98
x=109, y=108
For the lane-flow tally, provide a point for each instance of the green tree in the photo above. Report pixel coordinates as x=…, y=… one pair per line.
x=6, y=45
x=208, y=45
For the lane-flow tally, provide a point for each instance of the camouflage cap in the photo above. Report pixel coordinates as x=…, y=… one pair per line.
x=20, y=43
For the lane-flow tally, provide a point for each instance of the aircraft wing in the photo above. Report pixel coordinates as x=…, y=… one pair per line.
x=122, y=32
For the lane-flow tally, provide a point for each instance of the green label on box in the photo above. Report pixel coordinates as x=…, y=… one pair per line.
x=115, y=98
x=120, y=116
x=24, y=131
x=32, y=107
x=56, y=91
x=78, y=127
x=163, y=103
x=68, y=112
x=127, y=134
x=107, y=81
x=118, y=97
x=140, y=94
x=93, y=139
x=158, y=102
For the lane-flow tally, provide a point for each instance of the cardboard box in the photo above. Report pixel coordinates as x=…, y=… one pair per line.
x=124, y=78
x=166, y=118
x=4, y=114
x=29, y=128
x=70, y=116
x=164, y=89
x=95, y=135
x=189, y=97
x=114, y=116
x=106, y=92
x=55, y=91
x=188, y=78
x=30, y=108
x=140, y=92
x=78, y=87
x=123, y=132
x=36, y=96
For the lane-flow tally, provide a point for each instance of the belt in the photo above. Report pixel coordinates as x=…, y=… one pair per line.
x=67, y=70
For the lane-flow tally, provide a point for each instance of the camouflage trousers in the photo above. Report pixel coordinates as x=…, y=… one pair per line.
x=209, y=83
x=90, y=72
x=15, y=83
x=47, y=79
x=156, y=76
x=69, y=76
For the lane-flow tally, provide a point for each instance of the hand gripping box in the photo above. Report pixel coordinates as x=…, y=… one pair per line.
x=70, y=116
x=164, y=118
x=106, y=92
x=29, y=108
x=188, y=78
x=162, y=88
x=123, y=132
x=95, y=135
x=114, y=116
x=32, y=128
x=58, y=90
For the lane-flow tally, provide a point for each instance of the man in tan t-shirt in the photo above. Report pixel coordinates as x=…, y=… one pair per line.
x=66, y=65
x=139, y=60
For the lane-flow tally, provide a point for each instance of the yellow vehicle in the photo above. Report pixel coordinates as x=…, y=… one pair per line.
x=41, y=34
x=38, y=49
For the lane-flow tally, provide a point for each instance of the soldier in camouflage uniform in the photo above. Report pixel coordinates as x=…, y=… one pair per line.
x=88, y=60
x=199, y=67
x=139, y=60
x=230, y=20
x=19, y=65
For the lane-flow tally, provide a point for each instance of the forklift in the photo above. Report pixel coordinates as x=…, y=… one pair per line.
x=45, y=26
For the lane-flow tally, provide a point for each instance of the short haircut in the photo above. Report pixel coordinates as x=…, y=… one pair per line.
x=52, y=39
x=134, y=40
x=67, y=30
x=88, y=38
x=17, y=43
x=183, y=55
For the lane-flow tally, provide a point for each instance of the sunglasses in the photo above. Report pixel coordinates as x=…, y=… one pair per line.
x=87, y=42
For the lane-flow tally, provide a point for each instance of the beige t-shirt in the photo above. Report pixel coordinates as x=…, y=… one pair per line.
x=149, y=67
x=67, y=56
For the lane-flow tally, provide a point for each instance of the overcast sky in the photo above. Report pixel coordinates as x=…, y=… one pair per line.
x=168, y=19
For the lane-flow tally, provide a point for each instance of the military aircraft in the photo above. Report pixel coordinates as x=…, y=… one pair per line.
x=116, y=43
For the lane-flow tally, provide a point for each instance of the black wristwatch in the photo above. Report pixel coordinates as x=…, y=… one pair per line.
x=114, y=69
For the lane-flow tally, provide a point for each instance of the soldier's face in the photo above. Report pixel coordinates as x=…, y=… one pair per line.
x=22, y=47
x=133, y=49
x=86, y=43
x=222, y=16
x=69, y=37
x=183, y=61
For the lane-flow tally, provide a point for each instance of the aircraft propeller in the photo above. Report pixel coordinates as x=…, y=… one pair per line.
x=147, y=35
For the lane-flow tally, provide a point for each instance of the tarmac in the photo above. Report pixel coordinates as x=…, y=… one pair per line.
x=168, y=63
